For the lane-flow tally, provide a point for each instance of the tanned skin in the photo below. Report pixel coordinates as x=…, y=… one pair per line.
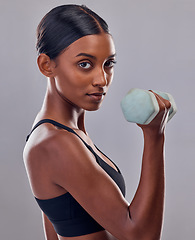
x=57, y=161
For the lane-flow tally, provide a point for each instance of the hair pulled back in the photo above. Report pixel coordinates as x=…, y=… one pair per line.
x=65, y=24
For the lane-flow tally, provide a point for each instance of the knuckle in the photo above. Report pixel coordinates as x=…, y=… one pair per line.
x=167, y=104
x=164, y=106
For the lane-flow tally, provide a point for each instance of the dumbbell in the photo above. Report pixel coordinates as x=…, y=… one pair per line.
x=141, y=106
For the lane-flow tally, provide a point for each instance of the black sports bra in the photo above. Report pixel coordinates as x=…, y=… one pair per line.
x=65, y=213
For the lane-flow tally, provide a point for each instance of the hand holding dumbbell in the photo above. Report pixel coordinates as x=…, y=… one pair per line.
x=141, y=106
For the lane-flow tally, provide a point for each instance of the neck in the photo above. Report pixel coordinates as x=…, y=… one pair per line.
x=59, y=109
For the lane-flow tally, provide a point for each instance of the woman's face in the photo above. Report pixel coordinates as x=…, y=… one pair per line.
x=84, y=71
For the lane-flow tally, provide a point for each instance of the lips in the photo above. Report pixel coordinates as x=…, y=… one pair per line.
x=96, y=96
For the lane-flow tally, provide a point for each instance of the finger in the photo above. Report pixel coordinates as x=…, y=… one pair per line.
x=164, y=106
x=162, y=101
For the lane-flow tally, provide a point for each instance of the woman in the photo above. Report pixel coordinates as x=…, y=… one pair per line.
x=79, y=189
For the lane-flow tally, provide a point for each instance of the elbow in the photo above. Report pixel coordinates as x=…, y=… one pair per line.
x=135, y=231
x=141, y=235
x=145, y=235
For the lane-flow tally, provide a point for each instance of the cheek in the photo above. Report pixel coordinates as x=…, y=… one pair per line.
x=110, y=77
x=71, y=80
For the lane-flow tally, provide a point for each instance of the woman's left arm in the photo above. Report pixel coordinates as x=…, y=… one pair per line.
x=49, y=231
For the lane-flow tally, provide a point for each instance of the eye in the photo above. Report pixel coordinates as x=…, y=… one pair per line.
x=110, y=63
x=84, y=65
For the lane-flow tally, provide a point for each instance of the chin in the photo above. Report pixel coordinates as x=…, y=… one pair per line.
x=93, y=108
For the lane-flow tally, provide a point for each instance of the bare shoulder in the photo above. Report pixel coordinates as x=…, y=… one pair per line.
x=48, y=150
x=46, y=142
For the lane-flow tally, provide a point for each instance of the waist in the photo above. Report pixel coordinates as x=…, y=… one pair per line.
x=103, y=235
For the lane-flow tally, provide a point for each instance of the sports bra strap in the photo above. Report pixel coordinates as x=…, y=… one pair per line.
x=60, y=126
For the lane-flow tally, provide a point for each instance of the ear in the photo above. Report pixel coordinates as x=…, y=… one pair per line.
x=46, y=65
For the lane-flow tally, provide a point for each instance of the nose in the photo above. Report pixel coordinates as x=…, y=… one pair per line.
x=100, y=78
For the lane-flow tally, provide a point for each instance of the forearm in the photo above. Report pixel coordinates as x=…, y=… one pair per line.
x=147, y=206
x=49, y=231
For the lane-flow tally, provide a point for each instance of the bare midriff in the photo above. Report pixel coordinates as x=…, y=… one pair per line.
x=102, y=235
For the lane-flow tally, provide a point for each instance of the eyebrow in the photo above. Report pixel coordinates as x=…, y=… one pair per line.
x=93, y=57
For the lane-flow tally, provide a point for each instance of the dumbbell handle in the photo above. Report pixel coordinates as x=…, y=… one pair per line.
x=141, y=106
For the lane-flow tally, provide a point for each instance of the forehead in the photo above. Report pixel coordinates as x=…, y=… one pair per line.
x=97, y=45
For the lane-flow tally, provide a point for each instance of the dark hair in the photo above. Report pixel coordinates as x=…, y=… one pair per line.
x=65, y=24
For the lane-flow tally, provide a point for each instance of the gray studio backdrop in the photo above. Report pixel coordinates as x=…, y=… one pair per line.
x=155, y=50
